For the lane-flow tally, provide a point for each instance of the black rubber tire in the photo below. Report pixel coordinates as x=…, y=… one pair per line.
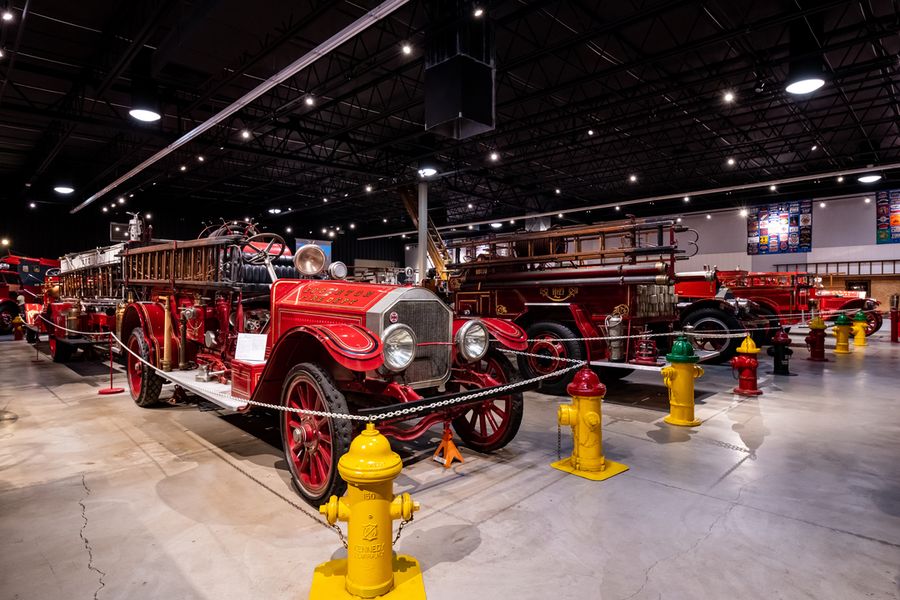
x=6, y=317
x=60, y=352
x=516, y=409
x=727, y=323
x=31, y=336
x=341, y=430
x=151, y=383
x=573, y=350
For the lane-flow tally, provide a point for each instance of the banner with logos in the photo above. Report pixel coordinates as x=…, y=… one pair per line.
x=781, y=228
x=887, y=217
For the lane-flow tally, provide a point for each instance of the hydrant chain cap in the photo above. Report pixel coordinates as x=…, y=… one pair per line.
x=682, y=351
x=860, y=316
x=586, y=383
x=369, y=459
x=842, y=319
x=748, y=347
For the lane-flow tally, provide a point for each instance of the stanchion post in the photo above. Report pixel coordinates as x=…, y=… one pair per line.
x=584, y=416
x=110, y=390
x=895, y=318
x=371, y=569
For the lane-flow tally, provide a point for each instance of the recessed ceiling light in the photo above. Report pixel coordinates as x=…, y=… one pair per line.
x=471, y=227
x=814, y=147
x=772, y=188
x=728, y=97
x=368, y=188
x=407, y=49
x=840, y=179
x=33, y=205
x=182, y=168
x=324, y=199
x=730, y=161
x=590, y=132
x=470, y=205
x=288, y=230
x=148, y=216
x=618, y=208
x=63, y=189
x=678, y=220
x=144, y=114
x=558, y=191
x=7, y=15
x=352, y=225
x=744, y=212
x=632, y=178
x=687, y=198
x=384, y=220
x=245, y=134
x=478, y=12
x=867, y=200
x=560, y=215
x=324, y=231
x=709, y=216
x=495, y=156
x=105, y=209
x=121, y=199
x=821, y=205
x=871, y=178
x=201, y=158
x=804, y=86
x=512, y=221
x=496, y=225
x=309, y=100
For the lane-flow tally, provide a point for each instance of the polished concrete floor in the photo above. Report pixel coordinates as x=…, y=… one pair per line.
x=793, y=494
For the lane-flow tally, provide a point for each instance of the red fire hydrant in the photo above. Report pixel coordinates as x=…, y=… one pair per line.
x=815, y=341
x=895, y=319
x=746, y=364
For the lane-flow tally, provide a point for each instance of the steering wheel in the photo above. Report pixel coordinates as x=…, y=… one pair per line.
x=261, y=256
x=228, y=228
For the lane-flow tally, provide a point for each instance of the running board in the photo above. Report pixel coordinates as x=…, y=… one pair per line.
x=704, y=355
x=215, y=392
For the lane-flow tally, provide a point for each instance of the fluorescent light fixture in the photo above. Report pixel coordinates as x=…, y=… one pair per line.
x=65, y=190
x=869, y=178
x=145, y=115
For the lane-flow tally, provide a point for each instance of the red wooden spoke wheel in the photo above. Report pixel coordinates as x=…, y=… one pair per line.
x=492, y=423
x=313, y=444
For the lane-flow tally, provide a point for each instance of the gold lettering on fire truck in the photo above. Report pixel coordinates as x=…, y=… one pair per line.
x=558, y=294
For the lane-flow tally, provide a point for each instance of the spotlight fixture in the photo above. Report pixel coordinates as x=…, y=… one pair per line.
x=470, y=205
x=560, y=215
x=324, y=231
x=65, y=190
x=245, y=134
x=618, y=208
x=590, y=132
x=368, y=188
x=406, y=248
x=869, y=178
x=512, y=221
x=309, y=100
x=772, y=188
x=7, y=15
x=632, y=178
x=182, y=168
x=288, y=230
x=407, y=49
x=806, y=72
x=352, y=225
x=33, y=205
x=728, y=96
x=867, y=200
x=840, y=179
x=148, y=216
x=814, y=148
x=121, y=199
x=2, y=54
x=495, y=156
x=384, y=220
x=821, y=205
x=325, y=200
x=471, y=227
x=105, y=209
x=4, y=242
x=478, y=12
x=687, y=199
x=730, y=162
x=146, y=115
x=496, y=225
x=558, y=191
x=201, y=158
x=678, y=220
x=330, y=234
x=708, y=216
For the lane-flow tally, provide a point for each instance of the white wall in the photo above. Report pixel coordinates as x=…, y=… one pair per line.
x=842, y=230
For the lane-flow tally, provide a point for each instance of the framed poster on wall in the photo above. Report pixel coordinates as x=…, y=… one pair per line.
x=887, y=217
x=781, y=228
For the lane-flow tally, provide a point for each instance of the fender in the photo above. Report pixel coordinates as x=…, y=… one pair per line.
x=716, y=303
x=504, y=331
x=351, y=346
x=149, y=316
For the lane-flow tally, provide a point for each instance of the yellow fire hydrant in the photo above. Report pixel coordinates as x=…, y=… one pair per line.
x=370, y=569
x=679, y=376
x=18, y=330
x=859, y=328
x=584, y=417
x=841, y=331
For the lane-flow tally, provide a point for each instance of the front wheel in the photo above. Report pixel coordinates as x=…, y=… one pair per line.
x=143, y=382
x=715, y=323
x=874, y=321
x=313, y=444
x=492, y=423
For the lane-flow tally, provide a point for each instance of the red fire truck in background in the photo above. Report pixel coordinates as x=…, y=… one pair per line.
x=21, y=286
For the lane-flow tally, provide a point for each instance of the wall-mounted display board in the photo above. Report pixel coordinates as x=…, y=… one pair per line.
x=887, y=217
x=780, y=228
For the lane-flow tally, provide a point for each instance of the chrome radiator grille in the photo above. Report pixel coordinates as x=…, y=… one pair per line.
x=430, y=320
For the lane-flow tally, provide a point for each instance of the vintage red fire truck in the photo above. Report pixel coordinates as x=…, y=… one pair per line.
x=608, y=280
x=234, y=318
x=21, y=283
x=785, y=297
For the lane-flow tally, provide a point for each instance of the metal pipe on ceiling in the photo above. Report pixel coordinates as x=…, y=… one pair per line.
x=693, y=195
x=358, y=26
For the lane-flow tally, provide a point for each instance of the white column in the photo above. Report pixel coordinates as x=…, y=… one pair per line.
x=422, y=250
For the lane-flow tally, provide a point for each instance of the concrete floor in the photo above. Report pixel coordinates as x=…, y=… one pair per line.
x=794, y=494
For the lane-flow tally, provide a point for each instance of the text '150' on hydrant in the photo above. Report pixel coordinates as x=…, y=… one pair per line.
x=781, y=352
x=746, y=364
x=841, y=331
x=584, y=416
x=815, y=341
x=860, y=324
x=371, y=569
x=679, y=376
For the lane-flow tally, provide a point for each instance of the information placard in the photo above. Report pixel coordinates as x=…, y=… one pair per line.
x=780, y=228
x=887, y=217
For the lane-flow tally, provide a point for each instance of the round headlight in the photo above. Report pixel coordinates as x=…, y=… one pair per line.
x=399, y=346
x=472, y=340
x=337, y=270
x=309, y=260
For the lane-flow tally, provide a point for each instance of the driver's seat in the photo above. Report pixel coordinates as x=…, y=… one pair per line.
x=256, y=277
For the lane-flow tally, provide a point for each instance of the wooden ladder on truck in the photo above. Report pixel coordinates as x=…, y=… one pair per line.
x=437, y=250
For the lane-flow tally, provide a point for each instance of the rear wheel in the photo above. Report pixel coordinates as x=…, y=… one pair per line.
x=715, y=323
x=551, y=345
x=7, y=314
x=59, y=351
x=143, y=382
x=492, y=423
x=873, y=322
x=312, y=444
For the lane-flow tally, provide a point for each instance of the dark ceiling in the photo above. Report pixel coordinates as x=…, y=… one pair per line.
x=647, y=78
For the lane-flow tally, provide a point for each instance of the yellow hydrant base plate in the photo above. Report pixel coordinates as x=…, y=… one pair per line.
x=673, y=421
x=612, y=468
x=329, y=581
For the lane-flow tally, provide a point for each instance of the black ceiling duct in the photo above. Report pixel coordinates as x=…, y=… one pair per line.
x=459, y=69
